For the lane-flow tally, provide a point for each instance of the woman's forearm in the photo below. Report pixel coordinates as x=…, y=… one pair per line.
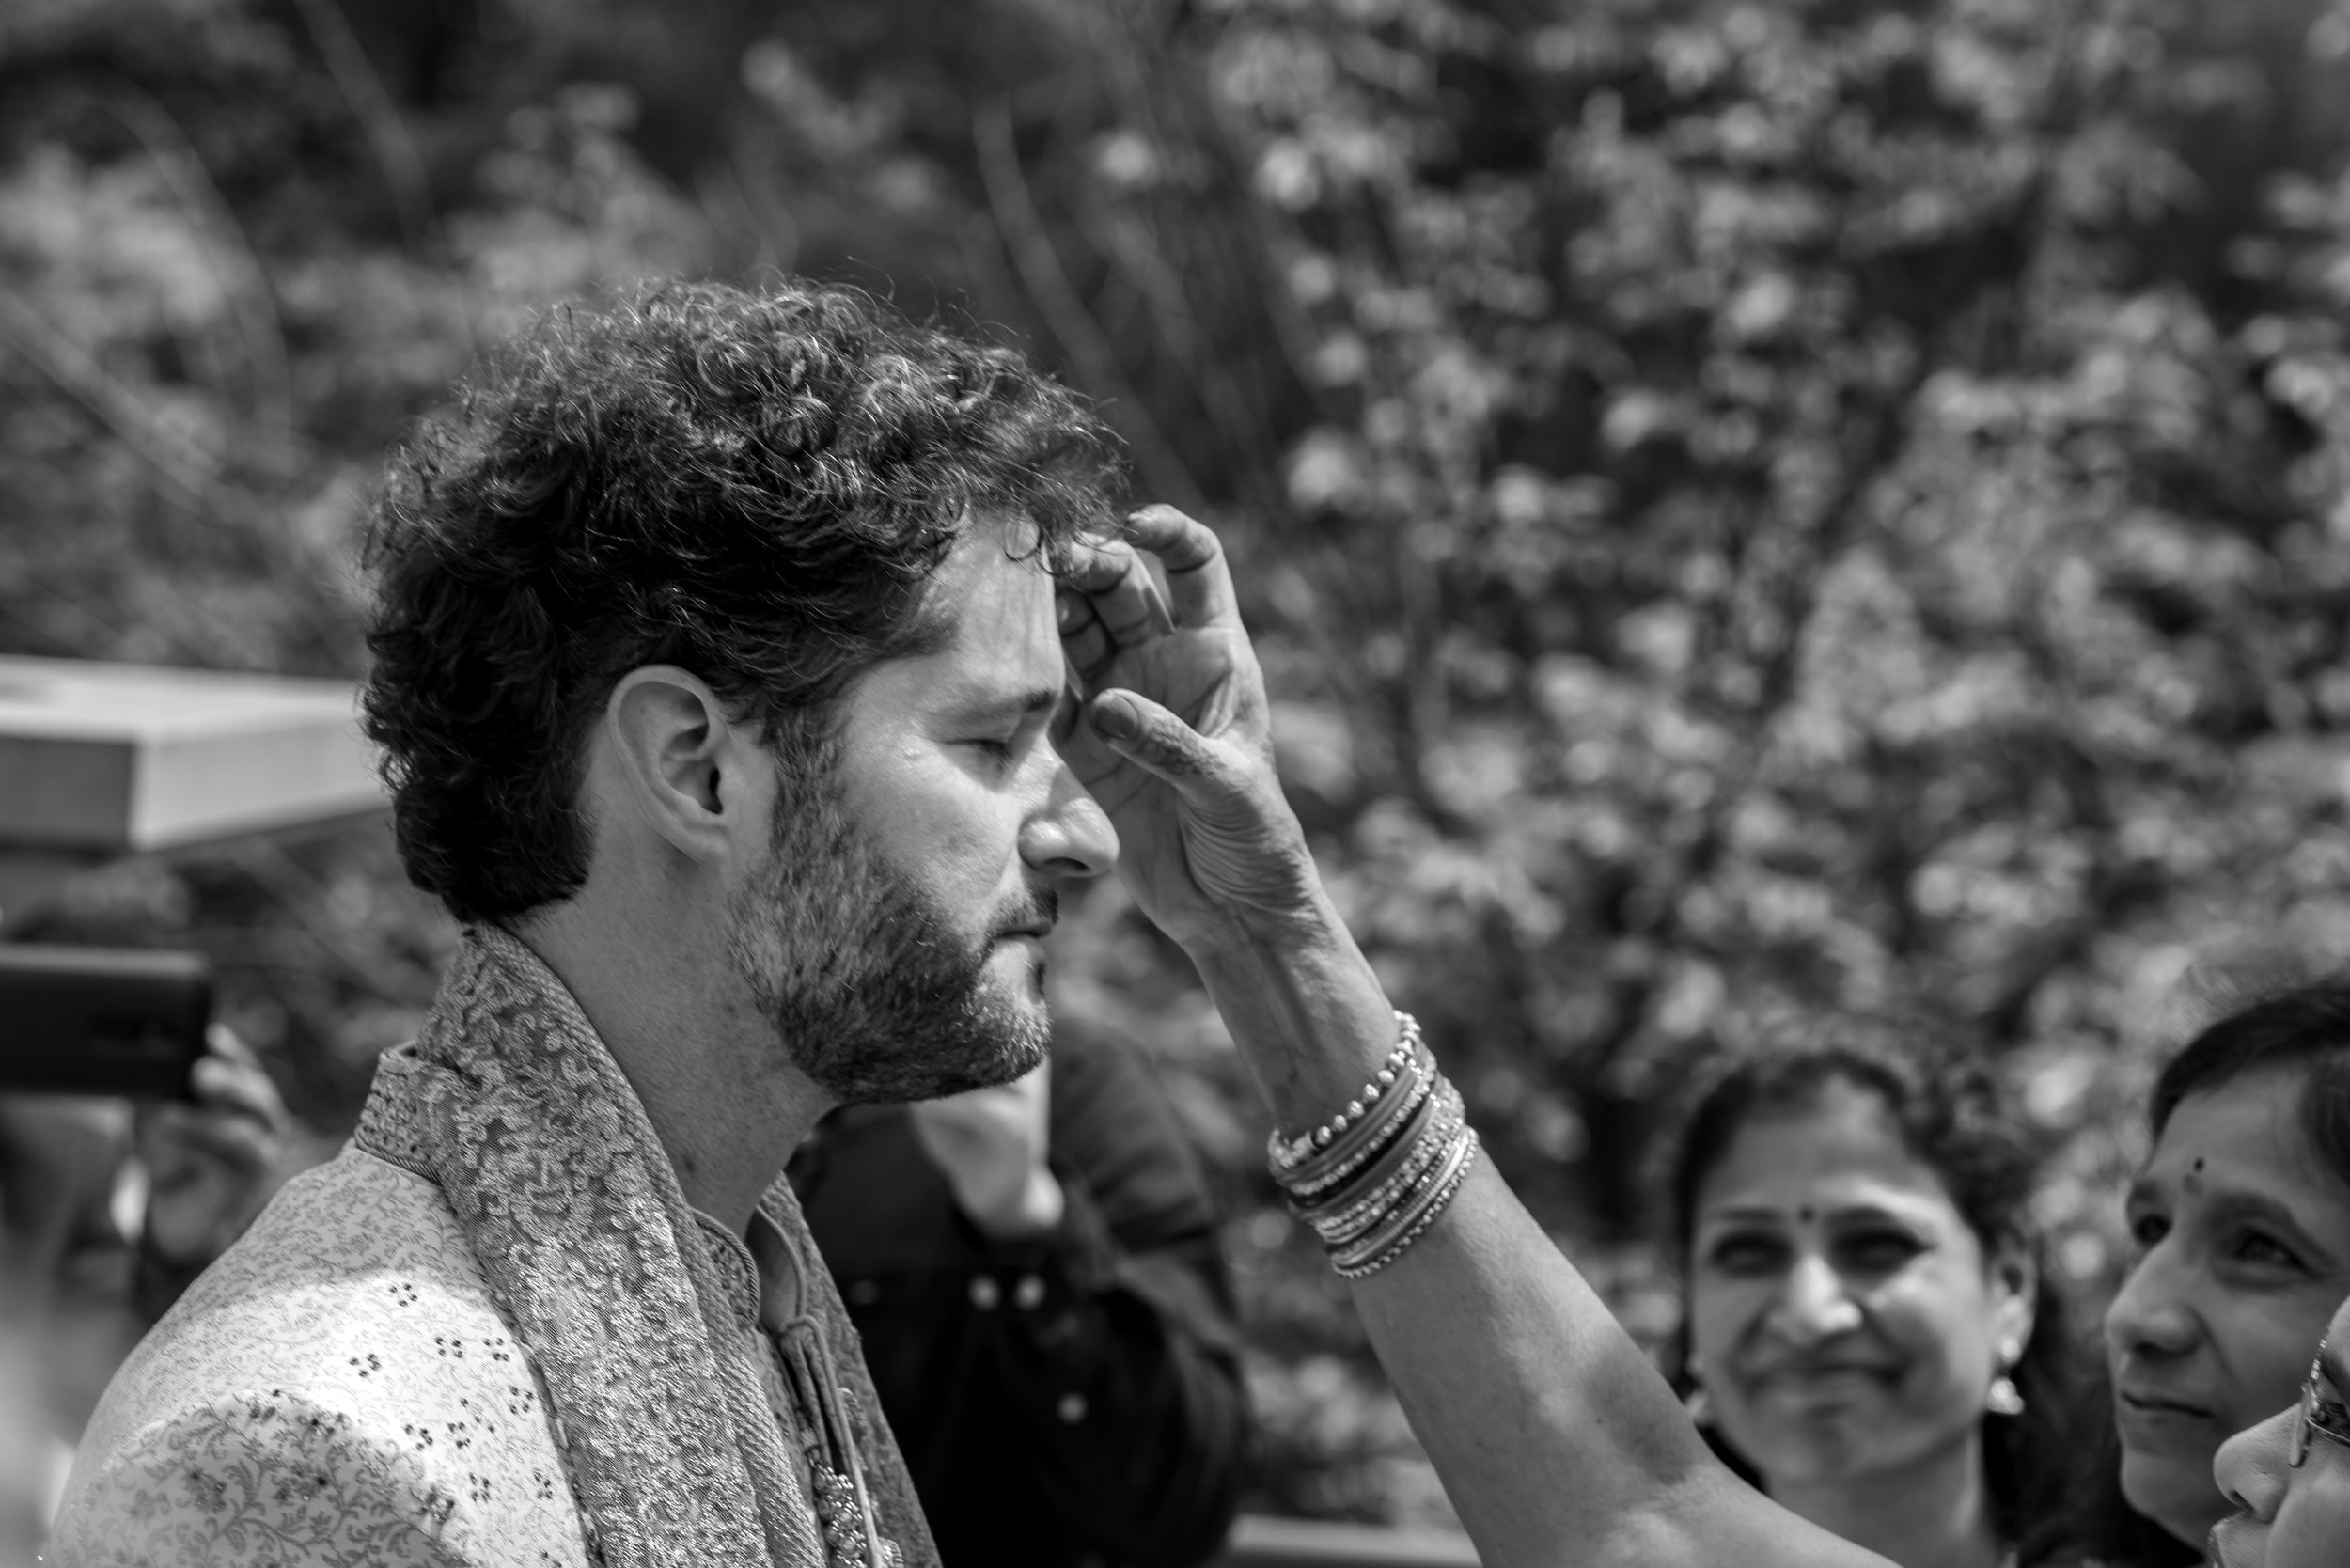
x=1556, y=1440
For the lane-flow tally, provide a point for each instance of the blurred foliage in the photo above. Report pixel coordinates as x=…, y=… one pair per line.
x=1749, y=509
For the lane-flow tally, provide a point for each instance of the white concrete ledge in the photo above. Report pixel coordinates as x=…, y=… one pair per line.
x=125, y=758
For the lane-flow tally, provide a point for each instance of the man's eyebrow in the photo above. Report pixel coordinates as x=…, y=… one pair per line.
x=978, y=703
x=1042, y=699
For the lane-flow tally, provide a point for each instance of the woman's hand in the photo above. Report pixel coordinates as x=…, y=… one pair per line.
x=1174, y=738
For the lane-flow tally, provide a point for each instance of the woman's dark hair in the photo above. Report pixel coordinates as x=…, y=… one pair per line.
x=2306, y=1031
x=754, y=487
x=1952, y=1116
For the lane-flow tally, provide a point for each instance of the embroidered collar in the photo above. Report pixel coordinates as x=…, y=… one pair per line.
x=509, y=1102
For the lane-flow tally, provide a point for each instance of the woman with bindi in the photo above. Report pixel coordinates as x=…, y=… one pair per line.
x=1868, y=1334
x=2241, y=1224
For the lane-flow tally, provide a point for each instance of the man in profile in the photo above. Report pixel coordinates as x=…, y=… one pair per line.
x=719, y=680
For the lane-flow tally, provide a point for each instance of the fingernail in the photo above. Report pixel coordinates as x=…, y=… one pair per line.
x=1116, y=720
x=1066, y=609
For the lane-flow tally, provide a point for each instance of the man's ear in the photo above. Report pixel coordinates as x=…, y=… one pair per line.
x=680, y=759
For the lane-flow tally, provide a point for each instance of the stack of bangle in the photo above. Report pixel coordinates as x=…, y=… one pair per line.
x=1375, y=1176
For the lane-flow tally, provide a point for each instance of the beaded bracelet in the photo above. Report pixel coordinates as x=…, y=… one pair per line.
x=1376, y=1176
x=1376, y=1207
x=1321, y=1182
x=1372, y=1256
x=1342, y=1202
x=1327, y=1199
x=1286, y=1155
x=1375, y=1232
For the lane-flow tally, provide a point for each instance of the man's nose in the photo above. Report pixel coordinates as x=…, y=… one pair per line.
x=2252, y=1467
x=2151, y=1314
x=1814, y=1305
x=1069, y=834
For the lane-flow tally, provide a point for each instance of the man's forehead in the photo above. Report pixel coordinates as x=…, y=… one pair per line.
x=993, y=617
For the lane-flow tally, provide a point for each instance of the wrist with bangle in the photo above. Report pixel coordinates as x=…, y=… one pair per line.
x=1372, y=1179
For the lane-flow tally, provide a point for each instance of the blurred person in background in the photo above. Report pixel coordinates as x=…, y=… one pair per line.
x=2241, y=1221
x=1868, y=1331
x=108, y=1210
x=1033, y=1270
x=2288, y=1478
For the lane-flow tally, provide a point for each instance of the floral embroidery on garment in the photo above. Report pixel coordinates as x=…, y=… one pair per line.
x=511, y=1103
x=338, y=1389
x=269, y=1479
x=490, y=1333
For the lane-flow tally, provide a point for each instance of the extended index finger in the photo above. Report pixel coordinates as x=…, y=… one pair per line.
x=1198, y=581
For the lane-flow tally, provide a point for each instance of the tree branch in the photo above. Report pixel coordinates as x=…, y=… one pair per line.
x=235, y=264
x=1048, y=289
x=395, y=150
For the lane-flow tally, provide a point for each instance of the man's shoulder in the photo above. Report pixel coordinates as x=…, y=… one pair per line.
x=273, y=1476
x=355, y=1285
x=341, y=1368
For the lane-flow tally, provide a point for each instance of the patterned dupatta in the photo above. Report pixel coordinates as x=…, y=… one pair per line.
x=509, y=1102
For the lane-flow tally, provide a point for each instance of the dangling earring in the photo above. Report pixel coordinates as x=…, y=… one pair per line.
x=1697, y=1401
x=2003, y=1398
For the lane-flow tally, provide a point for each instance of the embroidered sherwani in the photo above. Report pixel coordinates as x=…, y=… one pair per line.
x=491, y=1333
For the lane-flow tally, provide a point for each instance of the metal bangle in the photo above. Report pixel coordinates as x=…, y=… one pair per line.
x=1288, y=1154
x=1397, y=1182
x=1406, y=1206
x=1320, y=1183
x=1370, y=1257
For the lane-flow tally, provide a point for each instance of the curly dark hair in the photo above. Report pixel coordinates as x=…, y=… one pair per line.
x=754, y=487
x=1953, y=1116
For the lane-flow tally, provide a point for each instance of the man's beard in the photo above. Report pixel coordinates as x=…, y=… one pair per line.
x=870, y=991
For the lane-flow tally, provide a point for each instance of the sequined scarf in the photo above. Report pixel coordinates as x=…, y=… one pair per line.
x=512, y=1106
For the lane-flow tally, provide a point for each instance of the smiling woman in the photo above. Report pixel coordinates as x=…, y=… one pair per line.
x=1868, y=1331
x=2242, y=1220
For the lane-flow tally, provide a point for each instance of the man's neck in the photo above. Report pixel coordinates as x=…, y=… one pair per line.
x=728, y=1108
x=1936, y=1513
